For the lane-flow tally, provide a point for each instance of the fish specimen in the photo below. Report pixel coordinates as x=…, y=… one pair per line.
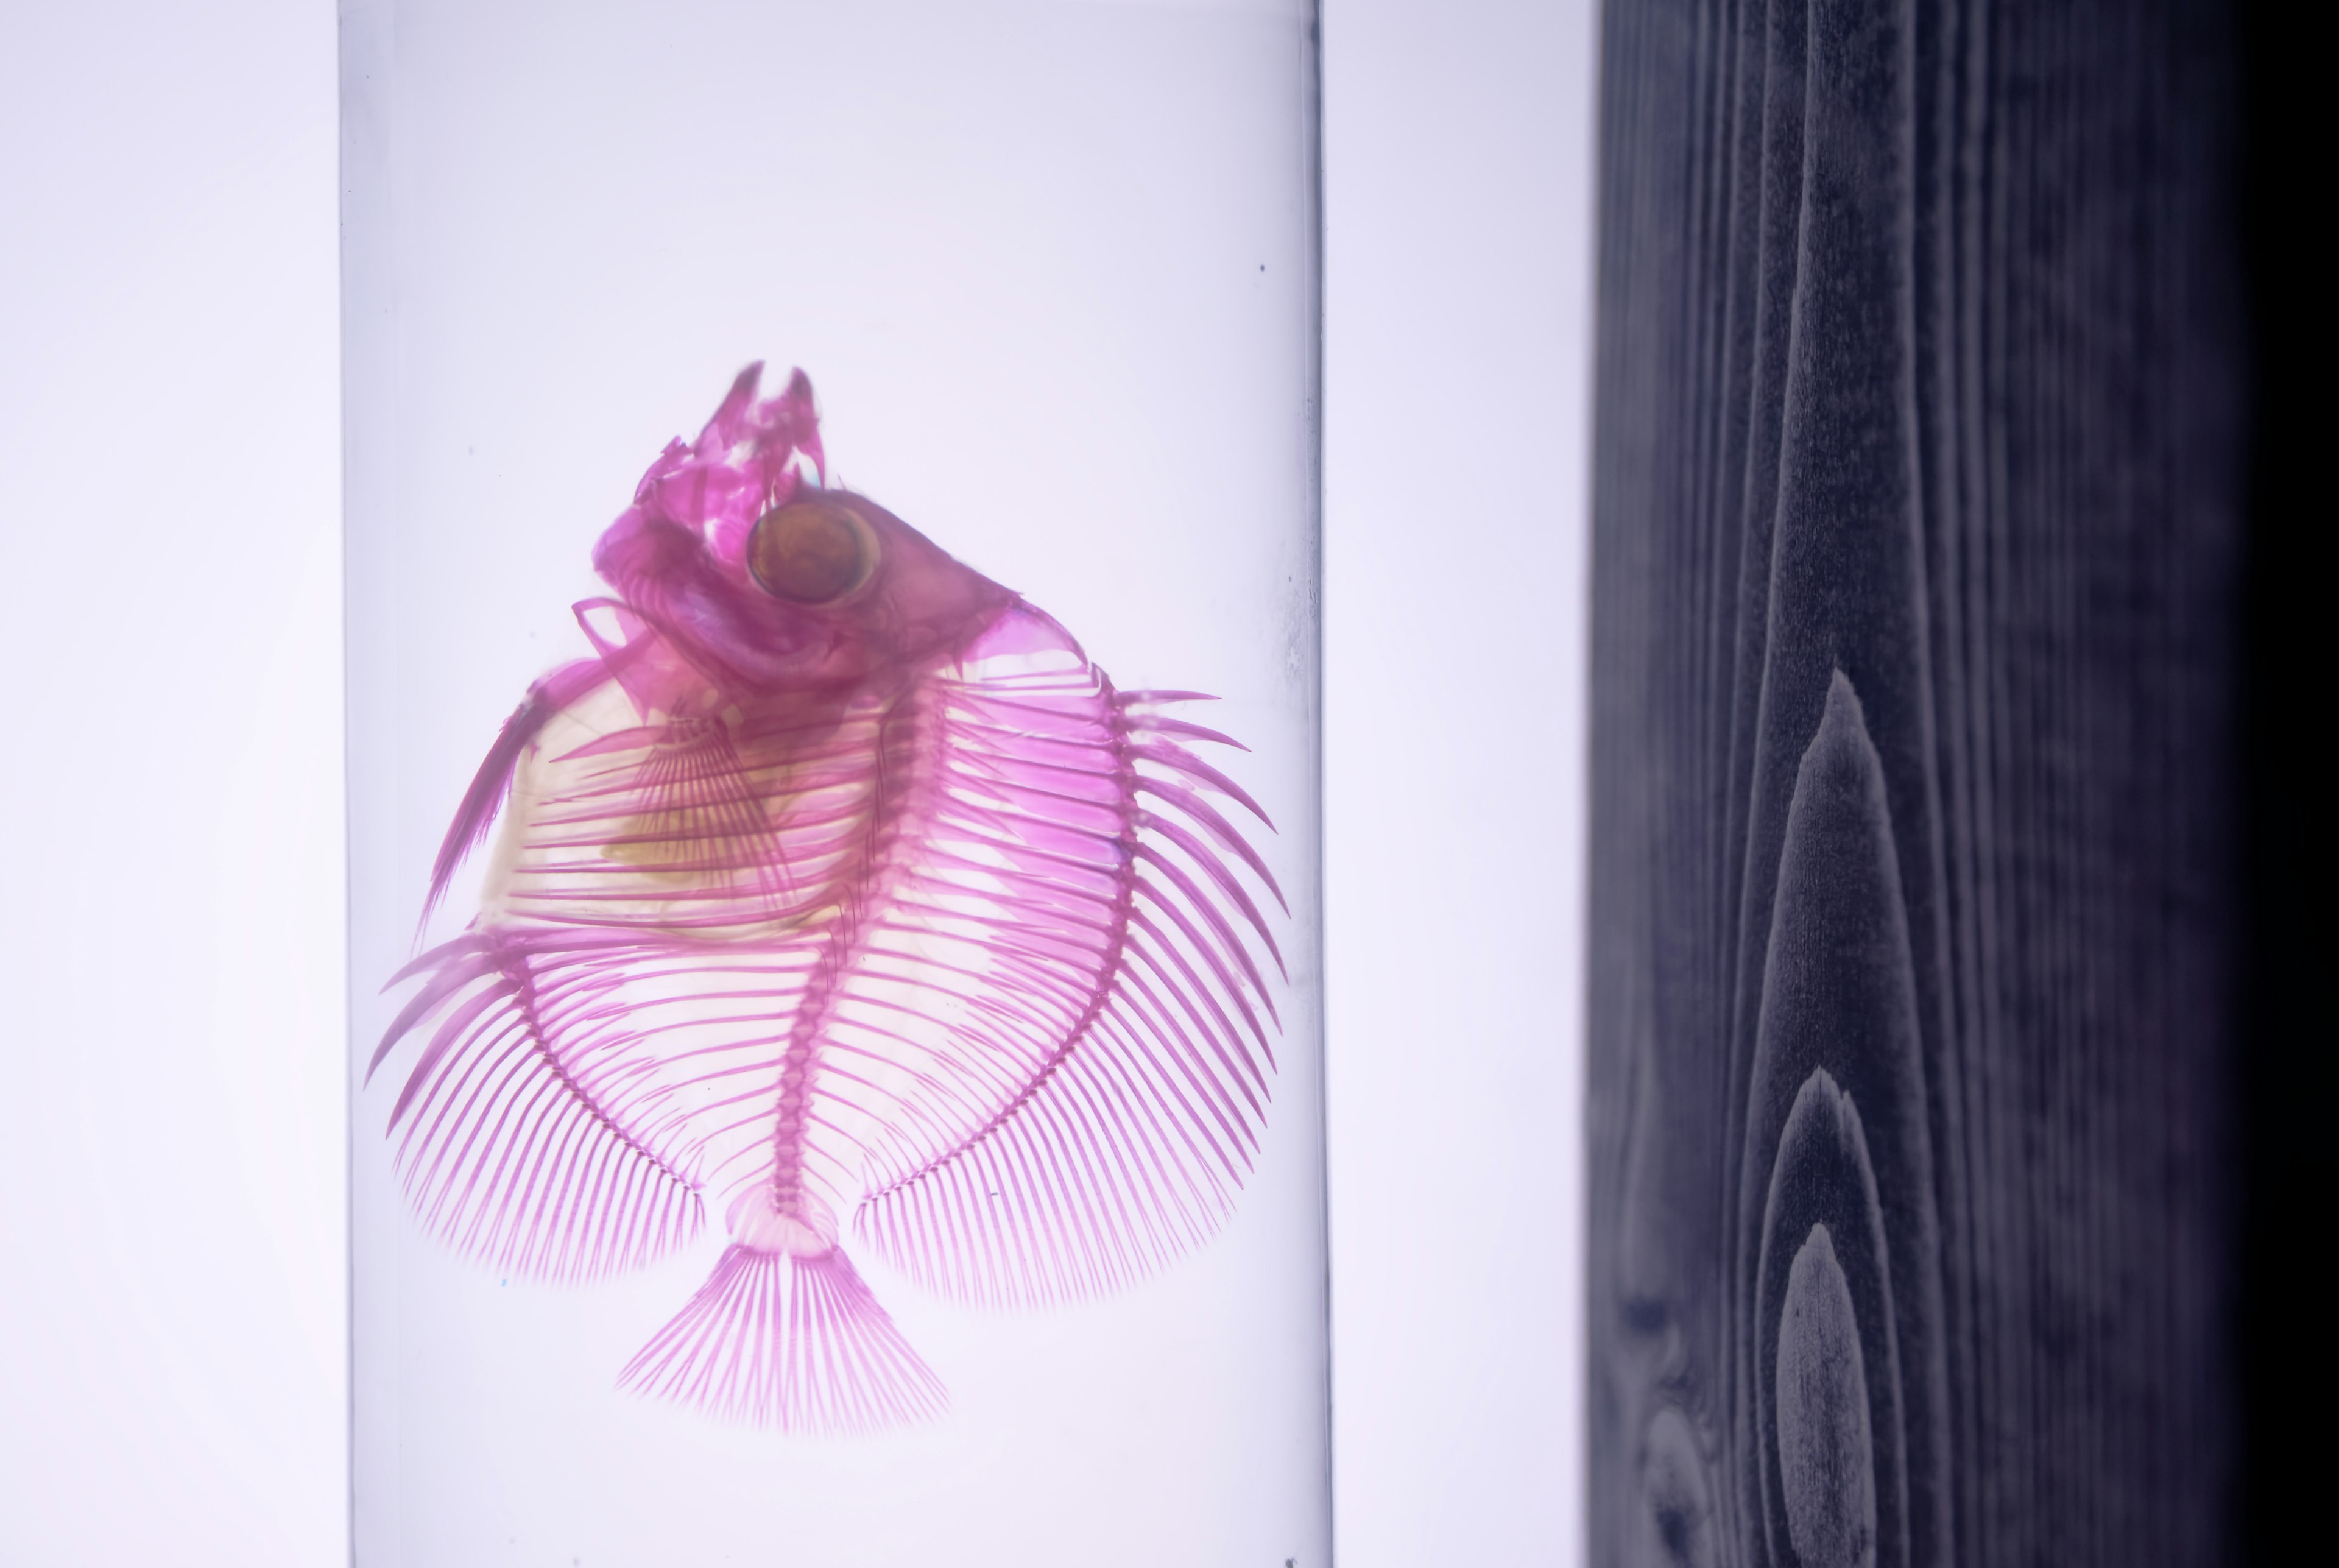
x=835, y=884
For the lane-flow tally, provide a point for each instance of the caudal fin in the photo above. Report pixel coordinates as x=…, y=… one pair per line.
x=795, y=1343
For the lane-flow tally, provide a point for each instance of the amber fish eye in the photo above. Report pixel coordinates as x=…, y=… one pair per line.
x=810, y=552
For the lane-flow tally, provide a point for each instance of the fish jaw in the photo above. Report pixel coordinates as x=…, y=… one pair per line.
x=678, y=559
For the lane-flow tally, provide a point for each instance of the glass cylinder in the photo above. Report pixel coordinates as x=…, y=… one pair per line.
x=835, y=1022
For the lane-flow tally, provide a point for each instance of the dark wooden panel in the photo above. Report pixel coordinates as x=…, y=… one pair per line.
x=2290, y=1160
x=1916, y=517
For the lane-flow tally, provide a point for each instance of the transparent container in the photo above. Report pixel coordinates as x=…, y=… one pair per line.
x=823, y=1120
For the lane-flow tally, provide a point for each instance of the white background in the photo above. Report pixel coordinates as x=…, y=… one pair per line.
x=171, y=1168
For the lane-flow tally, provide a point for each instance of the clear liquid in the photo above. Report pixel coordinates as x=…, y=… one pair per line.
x=1052, y=269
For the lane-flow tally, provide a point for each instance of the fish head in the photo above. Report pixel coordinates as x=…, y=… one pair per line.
x=765, y=579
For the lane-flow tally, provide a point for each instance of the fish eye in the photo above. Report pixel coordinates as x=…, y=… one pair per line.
x=810, y=552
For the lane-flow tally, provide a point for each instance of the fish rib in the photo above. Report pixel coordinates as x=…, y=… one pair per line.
x=511, y=1154
x=1125, y=1145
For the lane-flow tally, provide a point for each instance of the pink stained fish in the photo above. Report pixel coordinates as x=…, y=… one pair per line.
x=836, y=881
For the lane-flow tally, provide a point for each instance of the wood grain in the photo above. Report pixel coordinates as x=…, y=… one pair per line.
x=1917, y=503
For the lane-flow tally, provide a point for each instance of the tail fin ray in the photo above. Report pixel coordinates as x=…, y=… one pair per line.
x=794, y=1343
